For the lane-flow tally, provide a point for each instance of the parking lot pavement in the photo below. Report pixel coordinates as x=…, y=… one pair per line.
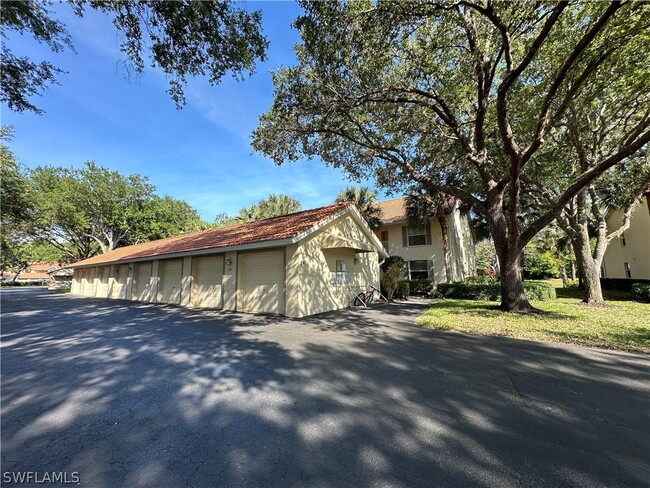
x=127, y=394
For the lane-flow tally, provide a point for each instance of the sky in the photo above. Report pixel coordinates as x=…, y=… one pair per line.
x=200, y=154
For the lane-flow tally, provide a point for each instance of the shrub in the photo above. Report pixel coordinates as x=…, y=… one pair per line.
x=390, y=280
x=622, y=284
x=464, y=291
x=481, y=280
x=539, y=265
x=420, y=287
x=641, y=292
x=393, y=260
x=539, y=290
x=402, y=290
x=535, y=290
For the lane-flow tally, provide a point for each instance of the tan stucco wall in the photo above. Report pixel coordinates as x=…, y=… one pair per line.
x=461, y=247
x=308, y=279
x=432, y=252
x=637, y=245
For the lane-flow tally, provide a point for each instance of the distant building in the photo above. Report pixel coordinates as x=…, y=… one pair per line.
x=629, y=255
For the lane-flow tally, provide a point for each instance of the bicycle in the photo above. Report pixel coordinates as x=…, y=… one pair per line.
x=365, y=298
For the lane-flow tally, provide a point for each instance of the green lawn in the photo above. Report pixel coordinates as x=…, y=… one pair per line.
x=623, y=324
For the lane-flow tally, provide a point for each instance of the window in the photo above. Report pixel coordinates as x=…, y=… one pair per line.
x=340, y=276
x=623, y=243
x=384, y=239
x=416, y=236
x=419, y=270
x=628, y=271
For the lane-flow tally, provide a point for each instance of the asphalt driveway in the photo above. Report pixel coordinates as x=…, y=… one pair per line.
x=126, y=394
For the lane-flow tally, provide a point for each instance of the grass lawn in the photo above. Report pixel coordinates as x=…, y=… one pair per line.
x=623, y=324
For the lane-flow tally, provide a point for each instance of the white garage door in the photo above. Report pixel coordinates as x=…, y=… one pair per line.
x=76, y=281
x=207, y=276
x=141, y=278
x=169, y=287
x=102, y=286
x=88, y=282
x=261, y=287
x=120, y=275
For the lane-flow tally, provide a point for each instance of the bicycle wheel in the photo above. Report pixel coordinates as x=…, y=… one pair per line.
x=358, y=300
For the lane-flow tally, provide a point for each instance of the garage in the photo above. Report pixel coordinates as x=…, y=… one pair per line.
x=261, y=286
x=120, y=275
x=170, y=272
x=299, y=264
x=141, y=278
x=207, y=277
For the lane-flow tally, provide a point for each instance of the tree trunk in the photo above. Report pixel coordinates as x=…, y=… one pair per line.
x=589, y=269
x=513, y=296
x=444, y=231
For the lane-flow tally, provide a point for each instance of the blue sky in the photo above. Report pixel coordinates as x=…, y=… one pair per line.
x=200, y=154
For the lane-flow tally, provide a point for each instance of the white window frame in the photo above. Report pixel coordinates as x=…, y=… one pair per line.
x=425, y=270
x=416, y=232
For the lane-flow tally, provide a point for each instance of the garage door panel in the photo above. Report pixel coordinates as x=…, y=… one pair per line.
x=120, y=276
x=207, y=279
x=262, y=283
x=169, y=287
x=141, y=281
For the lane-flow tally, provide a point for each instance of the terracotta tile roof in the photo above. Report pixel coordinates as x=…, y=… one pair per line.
x=42, y=266
x=393, y=210
x=33, y=276
x=257, y=231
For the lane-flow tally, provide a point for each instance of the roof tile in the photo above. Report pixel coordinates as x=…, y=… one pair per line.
x=393, y=210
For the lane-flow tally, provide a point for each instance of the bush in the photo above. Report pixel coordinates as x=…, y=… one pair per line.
x=403, y=289
x=539, y=290
x=539, y=265
x=481, y=280
x=535, y=290
x=393, y=260
x=420, y=287
x=390, y=281
x=641, y=292
x=622, y=284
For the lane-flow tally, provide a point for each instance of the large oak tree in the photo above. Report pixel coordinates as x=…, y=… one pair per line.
x=458, y=97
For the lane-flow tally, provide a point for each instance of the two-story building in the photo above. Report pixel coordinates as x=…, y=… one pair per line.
x=422, y=248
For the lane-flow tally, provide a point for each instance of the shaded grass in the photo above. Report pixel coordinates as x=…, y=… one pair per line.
x=622, y=325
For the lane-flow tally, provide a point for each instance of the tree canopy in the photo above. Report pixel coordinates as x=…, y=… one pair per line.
x=183, y=38
x=460, y=98
x=365, y=200
x=271, y=206
x=92, y=209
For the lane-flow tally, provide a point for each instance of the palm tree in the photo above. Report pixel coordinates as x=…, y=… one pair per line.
x=422, y=206
x=271, y=206
x=365, y=200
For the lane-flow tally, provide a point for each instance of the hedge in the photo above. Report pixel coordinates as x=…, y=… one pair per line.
x=622, y=284
x=535, y=290
x=420, y=287
x=641, y=292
